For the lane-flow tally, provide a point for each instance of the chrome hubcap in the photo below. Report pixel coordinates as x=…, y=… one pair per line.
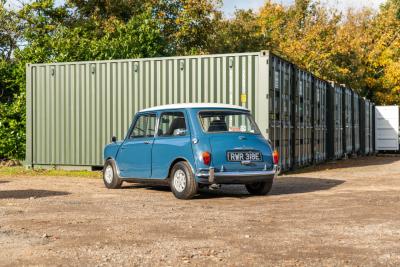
x=180, y=180
x=109, y=174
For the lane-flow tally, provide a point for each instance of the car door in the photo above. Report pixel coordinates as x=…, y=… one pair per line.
x=134, y=156
x=171, y=142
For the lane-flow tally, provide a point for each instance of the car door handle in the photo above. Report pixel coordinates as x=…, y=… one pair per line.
x=146, y=142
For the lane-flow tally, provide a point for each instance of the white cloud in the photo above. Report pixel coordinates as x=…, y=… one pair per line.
x=343, y=5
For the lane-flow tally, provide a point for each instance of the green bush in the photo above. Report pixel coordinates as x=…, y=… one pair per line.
x=12, y=111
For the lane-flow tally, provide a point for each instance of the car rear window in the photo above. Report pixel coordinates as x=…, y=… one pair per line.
x=228, y=121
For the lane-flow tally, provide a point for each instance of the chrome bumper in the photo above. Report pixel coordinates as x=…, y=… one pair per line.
x=237, y=177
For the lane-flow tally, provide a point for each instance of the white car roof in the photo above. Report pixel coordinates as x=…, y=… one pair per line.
x=194, y=105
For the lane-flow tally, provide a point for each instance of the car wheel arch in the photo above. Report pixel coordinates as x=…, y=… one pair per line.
x=114, y=162
x=111, y=159
x=175, y=161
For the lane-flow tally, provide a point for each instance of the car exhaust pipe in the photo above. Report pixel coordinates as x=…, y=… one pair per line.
x=214, y=187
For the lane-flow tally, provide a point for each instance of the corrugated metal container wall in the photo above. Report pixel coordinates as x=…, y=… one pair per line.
x=347, y=123
x=387, y=126
x=74, y=108
x=365, y=131
x=303, y=113
x=362, y=126
x=372, y=127
x=335, y=125
x=320, y=122
x=280, y=109
x=368, y=128
x=356, y=123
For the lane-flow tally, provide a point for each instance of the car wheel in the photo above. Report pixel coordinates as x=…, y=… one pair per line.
x=261, y=188
x=110, y=176
x=182, y=181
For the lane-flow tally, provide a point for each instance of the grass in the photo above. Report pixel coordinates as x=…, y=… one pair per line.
x=22, y=171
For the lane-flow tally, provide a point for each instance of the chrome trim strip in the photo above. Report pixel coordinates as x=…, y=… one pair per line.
x=243, y=174
x=211, y=172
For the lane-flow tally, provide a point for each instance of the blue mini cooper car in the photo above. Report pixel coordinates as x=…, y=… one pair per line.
x=190, y=146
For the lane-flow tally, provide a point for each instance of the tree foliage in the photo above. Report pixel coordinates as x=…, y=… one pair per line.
x=9, y=33
x=12, y=111
x=360, y=48
x=240, y=34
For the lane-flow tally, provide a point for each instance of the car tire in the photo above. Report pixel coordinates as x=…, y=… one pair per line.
x=261, y=188
x=110, y=176
x=182, y=181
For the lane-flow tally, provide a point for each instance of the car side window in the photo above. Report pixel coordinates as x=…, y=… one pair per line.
x=172, y=124
x=145, y=126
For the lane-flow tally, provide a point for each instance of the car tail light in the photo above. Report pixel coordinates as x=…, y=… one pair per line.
x=206, y=158
x=275, y=157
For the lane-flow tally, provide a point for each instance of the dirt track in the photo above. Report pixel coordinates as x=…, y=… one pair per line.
x=348, y=215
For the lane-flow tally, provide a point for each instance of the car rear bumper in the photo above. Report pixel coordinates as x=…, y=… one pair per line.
x=209, y=176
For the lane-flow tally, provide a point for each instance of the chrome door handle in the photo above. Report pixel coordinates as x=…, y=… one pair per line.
x=147, y=142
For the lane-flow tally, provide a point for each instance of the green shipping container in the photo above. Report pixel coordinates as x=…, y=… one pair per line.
x=73, y=109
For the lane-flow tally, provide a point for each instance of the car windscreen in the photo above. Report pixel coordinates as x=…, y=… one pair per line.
x=227, y=121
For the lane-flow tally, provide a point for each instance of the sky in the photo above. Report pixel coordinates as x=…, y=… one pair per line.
x=342, y=5
x=229, y=6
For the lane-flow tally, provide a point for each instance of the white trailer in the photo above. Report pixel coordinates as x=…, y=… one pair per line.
x=387, y=125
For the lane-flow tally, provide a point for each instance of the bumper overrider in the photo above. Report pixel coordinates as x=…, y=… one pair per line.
x=210, y=176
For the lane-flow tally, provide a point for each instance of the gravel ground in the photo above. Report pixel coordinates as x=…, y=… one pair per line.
x=344, y=213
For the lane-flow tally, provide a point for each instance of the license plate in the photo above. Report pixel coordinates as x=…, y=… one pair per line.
x=244, y=156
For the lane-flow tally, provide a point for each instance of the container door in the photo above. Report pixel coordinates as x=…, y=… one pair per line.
x=134, y=156
x=387, y=127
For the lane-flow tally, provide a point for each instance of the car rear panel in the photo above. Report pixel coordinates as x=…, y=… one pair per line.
x=222, y=143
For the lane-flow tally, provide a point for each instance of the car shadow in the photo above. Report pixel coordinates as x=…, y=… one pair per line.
x=347, y=163
x=226, y=191
x=165, y=188
x=298, y=185
x=282, y=186
x=30, y=193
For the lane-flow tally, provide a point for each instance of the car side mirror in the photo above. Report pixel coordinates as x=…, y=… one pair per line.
x=113, y=139
x=179, y=132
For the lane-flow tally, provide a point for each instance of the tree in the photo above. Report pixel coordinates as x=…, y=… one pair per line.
x=304, y=33
x=9, y=32
x=123, y=10
x=12, y=111
x=383, y=59
x=242, y=33
x=187, y=25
